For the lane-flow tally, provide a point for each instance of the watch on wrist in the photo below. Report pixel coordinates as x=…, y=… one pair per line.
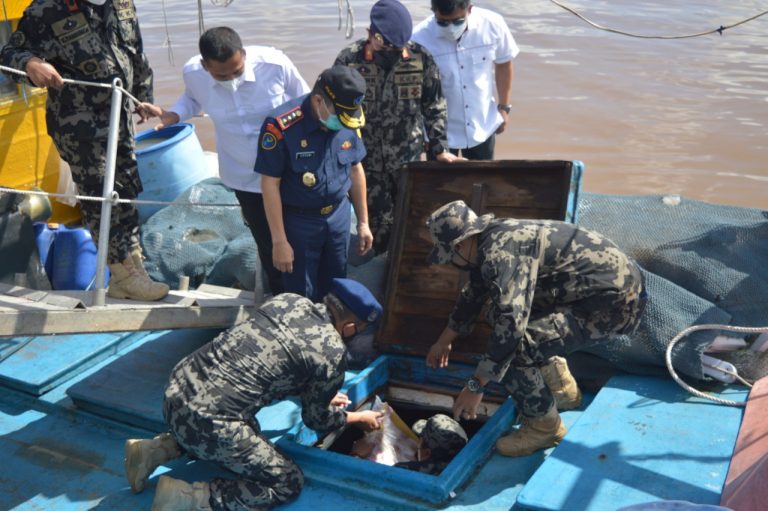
x=507, y=108
x=436, y=149
x=474, y=386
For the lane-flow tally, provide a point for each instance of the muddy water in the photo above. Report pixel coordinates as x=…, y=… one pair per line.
x=686, y=117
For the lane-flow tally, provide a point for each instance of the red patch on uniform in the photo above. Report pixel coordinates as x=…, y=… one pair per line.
x=271, y=128
x=346, y=144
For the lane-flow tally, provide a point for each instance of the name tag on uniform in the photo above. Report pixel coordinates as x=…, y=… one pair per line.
x=304, y=155
x=71, y=29
x=124, y=10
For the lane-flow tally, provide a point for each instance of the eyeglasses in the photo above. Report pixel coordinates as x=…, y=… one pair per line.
x=456, y=22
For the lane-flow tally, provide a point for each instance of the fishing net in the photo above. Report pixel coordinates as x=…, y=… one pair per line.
x=703, y=263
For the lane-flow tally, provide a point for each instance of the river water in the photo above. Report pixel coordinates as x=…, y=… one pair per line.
x=646, y=116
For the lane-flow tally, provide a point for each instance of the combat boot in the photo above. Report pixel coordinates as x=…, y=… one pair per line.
x=175, y=495
x=142, y=457
x=127, y=281
x=535, y=433
x=138, y=261
x=561, y=383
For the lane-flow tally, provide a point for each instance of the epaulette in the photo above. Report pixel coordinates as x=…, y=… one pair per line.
x=289, y=118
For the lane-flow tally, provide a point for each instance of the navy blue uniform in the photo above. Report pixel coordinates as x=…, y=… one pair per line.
x=313, y=165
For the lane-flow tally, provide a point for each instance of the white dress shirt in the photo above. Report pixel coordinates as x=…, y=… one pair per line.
x=467, y=72
x=269, y=80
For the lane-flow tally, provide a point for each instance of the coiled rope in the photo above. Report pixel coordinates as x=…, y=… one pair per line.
x=696, y=328
x=718, y=30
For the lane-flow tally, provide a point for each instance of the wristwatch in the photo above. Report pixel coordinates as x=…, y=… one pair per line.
x=437, y=148
x=474, y=386
x=506, y=108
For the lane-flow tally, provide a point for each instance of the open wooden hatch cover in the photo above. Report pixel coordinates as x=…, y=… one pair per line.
x=419, y=297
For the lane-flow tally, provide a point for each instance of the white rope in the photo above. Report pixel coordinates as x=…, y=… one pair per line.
x=695, y=328
x=718, y=30
x=349, y=21
x=75, y=82
x=115, y=199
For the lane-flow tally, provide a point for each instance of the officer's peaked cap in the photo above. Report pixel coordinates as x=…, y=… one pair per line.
x=358, y=299
x=442, y=435
x=392, y=20
x=451, y=224
x=346, y=89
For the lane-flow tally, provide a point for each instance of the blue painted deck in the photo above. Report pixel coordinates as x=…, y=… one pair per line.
x=64, y=457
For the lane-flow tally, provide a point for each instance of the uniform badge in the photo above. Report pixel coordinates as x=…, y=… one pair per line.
x=346, y=145
x=309, y=179
x=268, y=141
x=304, y=142
x=89, y=66
x=17, y=39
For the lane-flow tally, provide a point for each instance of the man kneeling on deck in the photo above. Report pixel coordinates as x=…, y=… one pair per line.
x=290, y=347
x=553, y=288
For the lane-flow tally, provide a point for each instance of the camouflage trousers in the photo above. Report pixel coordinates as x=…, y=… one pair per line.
x=381, y=185
x=267, y=476
x=558, y=331
x=86, y=159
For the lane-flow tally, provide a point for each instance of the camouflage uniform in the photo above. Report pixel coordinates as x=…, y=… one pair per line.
x=553, y=288
x=290, y=347
x=90, y=43
x=404, y=104
x=444, y=437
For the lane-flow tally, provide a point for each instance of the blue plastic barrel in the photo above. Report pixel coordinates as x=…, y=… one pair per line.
x=74, y=259
x=44, y=236
x=170, y=161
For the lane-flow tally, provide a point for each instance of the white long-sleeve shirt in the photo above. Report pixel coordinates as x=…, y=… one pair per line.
x=467, y=72
x=269, y=80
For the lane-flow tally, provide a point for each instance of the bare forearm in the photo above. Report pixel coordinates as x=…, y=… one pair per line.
x=504, y=75
x=358, y=193
x=273, y=208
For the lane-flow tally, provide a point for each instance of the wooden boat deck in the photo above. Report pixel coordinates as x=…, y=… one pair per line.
x=25, y=311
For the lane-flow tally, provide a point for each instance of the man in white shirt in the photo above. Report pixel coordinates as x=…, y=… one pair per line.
x=237, y=87
x=473, y=49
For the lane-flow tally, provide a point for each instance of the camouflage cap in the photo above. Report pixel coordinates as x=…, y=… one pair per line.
x=442, y=435
x=451, y=224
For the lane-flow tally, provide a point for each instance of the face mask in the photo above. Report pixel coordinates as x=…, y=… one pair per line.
x=386, y=59
x=231, y=85
x=331, y=122
x=454, y=32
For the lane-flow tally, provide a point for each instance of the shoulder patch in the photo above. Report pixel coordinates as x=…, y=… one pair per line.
x=271, y=128
x=17, y=39
x=268, y=141
x=289, y=118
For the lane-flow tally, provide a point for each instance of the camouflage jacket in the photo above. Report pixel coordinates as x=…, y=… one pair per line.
x=90, y=43
x=536, y=265
x=289, y=348
x=400, y=103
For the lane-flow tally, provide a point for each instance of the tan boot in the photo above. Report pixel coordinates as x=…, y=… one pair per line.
x=127, y=281
x=535, y=433
x=142, y=457
x=562, y=384
x=175, y=495
x=138, y=261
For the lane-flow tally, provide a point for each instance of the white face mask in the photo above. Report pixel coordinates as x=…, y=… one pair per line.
x=231, y=85
x=96, y=2
x=454, y=32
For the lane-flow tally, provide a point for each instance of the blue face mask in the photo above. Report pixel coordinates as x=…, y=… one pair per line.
x=331, y=122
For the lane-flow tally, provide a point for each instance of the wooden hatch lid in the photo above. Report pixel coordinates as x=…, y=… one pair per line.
x=419, y=297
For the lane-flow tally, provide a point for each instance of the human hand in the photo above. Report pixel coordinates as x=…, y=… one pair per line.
x=439, y=354
x=282, y=256
x=367, y=420
x=504, y=119
x=448, y=157
x=365, y=238
x=43, y=74
x=341, y=400
x=465, y=405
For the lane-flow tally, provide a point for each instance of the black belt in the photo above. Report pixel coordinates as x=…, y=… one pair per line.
x=324, y=211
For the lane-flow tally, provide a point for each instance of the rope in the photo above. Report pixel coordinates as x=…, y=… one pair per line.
x=349, y=22
x=76, y=82
x=167, y=42
x=695, y=328
x=718, y=30
x=115, y=199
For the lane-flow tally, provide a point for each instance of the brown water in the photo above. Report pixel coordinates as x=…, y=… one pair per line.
x=687, y=117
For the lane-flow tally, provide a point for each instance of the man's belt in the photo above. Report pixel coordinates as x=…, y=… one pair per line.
x=324, y=211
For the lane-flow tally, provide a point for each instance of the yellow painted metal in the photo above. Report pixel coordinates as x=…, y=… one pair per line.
x=28, y=157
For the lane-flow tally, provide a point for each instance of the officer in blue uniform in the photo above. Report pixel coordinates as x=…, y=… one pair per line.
x=310, y=151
